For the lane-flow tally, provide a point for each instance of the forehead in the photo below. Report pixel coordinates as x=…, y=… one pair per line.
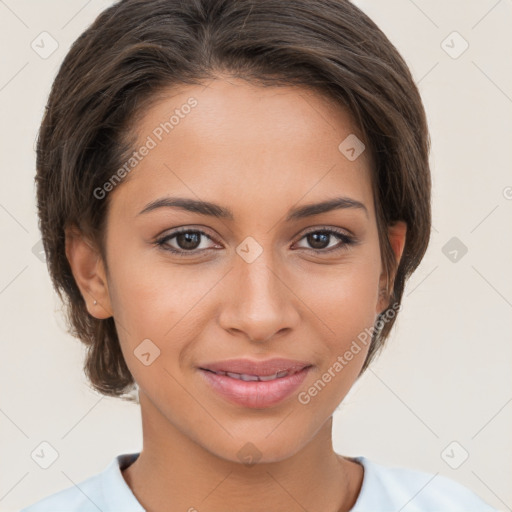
x=247, y=143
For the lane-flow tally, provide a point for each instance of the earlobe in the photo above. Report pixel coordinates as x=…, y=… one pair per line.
x=89, y=273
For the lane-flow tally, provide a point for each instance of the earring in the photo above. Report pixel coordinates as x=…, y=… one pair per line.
x=95, y=302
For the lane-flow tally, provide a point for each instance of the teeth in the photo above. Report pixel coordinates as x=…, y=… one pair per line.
x=248, y=378
x=268, y=377
x=242, y=376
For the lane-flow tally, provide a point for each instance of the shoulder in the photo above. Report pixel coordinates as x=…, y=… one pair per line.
x=106, y=491
x=84, y=497
x=408, y=490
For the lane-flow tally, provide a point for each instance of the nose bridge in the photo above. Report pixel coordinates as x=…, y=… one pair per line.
x=261, y=304
x=259, y=279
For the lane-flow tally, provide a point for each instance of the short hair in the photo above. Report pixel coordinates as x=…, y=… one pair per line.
x=136, y=49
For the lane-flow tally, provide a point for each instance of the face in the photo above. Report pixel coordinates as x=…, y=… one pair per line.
x=254, y=283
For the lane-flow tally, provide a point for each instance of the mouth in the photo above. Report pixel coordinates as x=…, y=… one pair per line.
x=249, y=369
x=253, y=384
x=262, y=378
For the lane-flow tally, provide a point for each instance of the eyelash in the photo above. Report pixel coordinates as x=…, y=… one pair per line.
x=346, y=240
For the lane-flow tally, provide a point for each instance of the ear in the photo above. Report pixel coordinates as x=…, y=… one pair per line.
x=89, y=272
x=396, y=235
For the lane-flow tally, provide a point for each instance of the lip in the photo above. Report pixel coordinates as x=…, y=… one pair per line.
x=253, y=367
x=255, y=394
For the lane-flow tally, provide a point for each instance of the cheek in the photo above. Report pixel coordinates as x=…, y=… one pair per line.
x=346, y=307
x=344, y=295
x=157, y=299
x=150, y=294
x=345, y=303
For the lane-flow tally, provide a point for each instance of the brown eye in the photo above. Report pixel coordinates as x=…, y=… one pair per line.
x=319, y=239
x=185, y=242
x=188, y=240
x=324, y=240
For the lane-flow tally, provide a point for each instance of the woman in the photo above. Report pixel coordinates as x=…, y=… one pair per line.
x=232, y=195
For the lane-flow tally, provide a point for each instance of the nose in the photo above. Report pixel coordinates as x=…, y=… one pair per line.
x=260, y=303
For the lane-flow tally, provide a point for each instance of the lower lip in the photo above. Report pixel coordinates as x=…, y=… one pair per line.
x=255, y=394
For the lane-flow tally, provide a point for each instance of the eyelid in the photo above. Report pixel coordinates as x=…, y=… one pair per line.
x=345, y=237
x=203, y=230
x=163, y=239
x=340, y=231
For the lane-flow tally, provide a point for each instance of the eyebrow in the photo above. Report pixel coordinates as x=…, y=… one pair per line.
x=215, y=210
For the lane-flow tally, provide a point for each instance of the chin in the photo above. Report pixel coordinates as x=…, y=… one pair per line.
x=258, y=449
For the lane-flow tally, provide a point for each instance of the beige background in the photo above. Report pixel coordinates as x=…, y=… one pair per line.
x=446, y=374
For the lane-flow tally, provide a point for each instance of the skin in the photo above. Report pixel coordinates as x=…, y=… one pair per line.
x=259, y=151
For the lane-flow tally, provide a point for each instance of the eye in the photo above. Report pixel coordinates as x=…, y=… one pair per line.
x=187, y=241
x=320, y=240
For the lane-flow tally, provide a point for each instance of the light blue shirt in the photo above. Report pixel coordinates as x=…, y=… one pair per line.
x=384, y=489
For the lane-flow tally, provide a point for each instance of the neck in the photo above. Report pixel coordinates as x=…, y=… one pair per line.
x=173, y=469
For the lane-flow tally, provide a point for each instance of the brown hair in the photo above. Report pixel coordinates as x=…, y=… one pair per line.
x=137, y=48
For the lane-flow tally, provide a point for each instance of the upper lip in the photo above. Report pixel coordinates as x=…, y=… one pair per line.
x=251, y=367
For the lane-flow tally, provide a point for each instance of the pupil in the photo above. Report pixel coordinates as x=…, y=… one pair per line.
x=190, y=239
x=319, y=240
